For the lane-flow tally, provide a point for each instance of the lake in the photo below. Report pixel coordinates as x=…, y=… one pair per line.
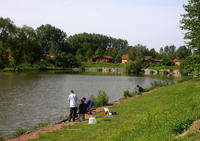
x=29, y=98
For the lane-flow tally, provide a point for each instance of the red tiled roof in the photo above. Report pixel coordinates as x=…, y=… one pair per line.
x=125, y=57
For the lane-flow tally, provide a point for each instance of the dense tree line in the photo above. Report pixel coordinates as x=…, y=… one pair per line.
x=27, y=45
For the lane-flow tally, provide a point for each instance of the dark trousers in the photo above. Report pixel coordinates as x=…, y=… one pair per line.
x=72, y=113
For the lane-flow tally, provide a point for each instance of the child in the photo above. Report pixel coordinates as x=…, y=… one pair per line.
x=139, y=89
x=82, y=110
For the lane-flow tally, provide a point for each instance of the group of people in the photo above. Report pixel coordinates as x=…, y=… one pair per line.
x=83, y=108
x=85, y=105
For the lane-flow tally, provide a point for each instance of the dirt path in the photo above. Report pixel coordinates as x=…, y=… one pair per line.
x=34, y=134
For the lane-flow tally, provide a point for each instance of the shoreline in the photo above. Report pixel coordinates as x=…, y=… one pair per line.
x=35, y=133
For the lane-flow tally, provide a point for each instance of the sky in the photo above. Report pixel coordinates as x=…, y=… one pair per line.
x=153, y=23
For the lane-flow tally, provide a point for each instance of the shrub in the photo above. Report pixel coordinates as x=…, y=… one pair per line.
x=19, y=132
x=191, y=65
x=181, y=126
x=40, y=125
x=129, y=94
x=101, y=100
x=134, y=67
x=2, y=138
x=167, y=62
x=157, y=84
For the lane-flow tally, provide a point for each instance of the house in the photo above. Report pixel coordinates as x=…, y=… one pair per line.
x=176, y=61
x=124, y=58
x=48, y=56
x=107, y=59
x=151, y=60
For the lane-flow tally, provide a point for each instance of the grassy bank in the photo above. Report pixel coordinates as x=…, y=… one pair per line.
x=100, y=65
x=164, y=67
x=160, y=115
x=48, y=66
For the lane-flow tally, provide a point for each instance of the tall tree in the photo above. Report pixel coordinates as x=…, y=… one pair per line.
x=191, y=23
x=6, y=29
x=51, y=38
x=168, y=51
x=182, y=52
x=138, y=52
x=32, y=49
x=153, y=53
x=16, y=45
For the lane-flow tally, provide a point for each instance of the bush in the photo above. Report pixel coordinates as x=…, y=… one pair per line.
x=1, y=64
x=66, y=60
x=2, y=138
x=157, y=84
x=167, y=62
x=19, y=132
x=191, y=65
x=181, y=126
x=129, y=94
x=134, y=67
x=101, y=100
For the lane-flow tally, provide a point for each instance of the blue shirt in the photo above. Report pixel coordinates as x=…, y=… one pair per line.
x=89, y=102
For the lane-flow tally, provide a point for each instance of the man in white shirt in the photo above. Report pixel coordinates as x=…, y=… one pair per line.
x=73, y=105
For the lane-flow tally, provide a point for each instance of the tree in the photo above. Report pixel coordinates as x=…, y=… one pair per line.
x=134, y=67
x=168, y=51
x=182, y=52
x=153, y=53
x=99, y=52
x=3, y=56
x=52, y=38
x=32, y=49
x=66, y=60
x=191, y=23
x=191, y=65
x=137, y=52
x=16, y=45
x=6, y=28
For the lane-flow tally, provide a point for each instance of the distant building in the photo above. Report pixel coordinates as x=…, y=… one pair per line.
x=48, y=56
x=124, y=58
x=176, y=61
x=107, y=59
x=150, y=59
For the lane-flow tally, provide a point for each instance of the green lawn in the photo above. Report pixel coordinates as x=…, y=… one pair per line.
x=152, y=117
x=100, y=65
x=164, y=67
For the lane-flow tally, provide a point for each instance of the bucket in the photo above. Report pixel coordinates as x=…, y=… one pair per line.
x=92, y=120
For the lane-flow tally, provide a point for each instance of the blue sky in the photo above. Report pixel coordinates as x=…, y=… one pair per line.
x=154, y=23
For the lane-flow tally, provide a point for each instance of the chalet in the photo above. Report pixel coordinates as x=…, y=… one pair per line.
x=151, y=60
x=107, y=59
x=48, y=56
x=124, y=58
x=176, y=61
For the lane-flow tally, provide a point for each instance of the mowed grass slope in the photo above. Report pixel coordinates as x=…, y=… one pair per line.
x=151, y=117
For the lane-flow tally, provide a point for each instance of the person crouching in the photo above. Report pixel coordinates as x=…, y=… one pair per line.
x=82, y=110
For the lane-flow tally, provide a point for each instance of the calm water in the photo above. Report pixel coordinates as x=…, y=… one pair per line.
x=30, y=98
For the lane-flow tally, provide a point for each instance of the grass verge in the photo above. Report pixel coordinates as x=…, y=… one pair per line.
x=100, y=65
x=152, y=117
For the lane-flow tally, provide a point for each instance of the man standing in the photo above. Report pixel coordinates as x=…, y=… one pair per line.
x=73, y=105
